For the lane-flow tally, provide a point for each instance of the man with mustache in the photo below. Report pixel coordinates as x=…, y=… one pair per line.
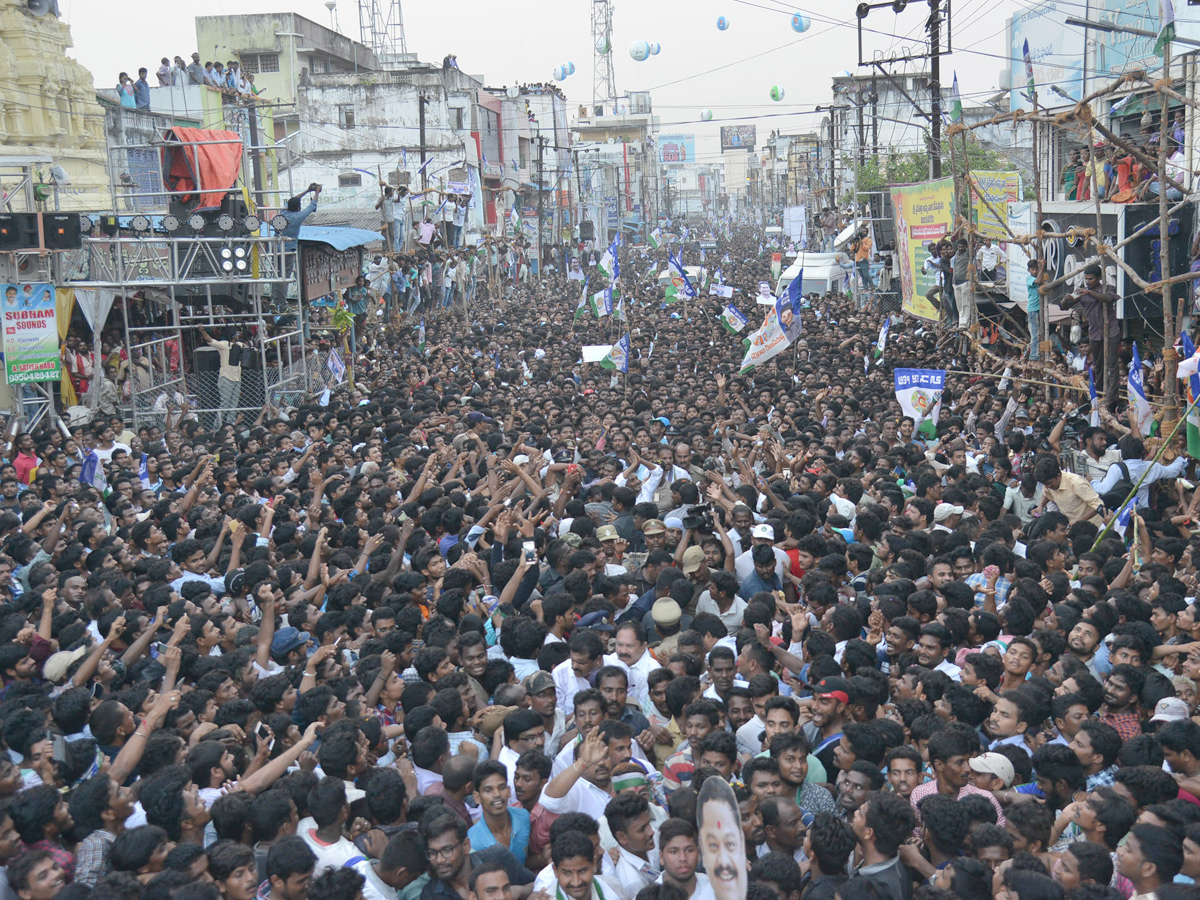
x=722, y=842
x=584, y=786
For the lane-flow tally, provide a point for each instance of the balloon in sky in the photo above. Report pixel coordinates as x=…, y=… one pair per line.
x=722, y=23
x=777, y=93
x=800, y=22
x=602, y=44
x=640, y=51
x=706, y=115
x=559, y=73
x=570, y=68
x=655, y=49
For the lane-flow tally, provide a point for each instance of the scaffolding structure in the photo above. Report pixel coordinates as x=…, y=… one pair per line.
x=1081, y=119
x=176, y=275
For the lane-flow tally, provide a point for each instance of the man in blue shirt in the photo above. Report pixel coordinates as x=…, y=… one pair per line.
x=763, y=578
x=295, y=218
x=141, y=90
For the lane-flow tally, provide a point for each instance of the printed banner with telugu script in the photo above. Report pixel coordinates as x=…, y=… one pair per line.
x=30, y=333
x=923, y=212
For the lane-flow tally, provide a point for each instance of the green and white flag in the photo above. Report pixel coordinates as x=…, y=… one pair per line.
x=421, y=337
x=1166, y=25
x=618, y=309
x=656, y=238
x=919, y=393
x=956, y=99
x=584, y=306
x=606, y=264
x=618, y=355
x=732, y=319
x=601, y=303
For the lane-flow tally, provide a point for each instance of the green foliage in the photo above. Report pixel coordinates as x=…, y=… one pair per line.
x=892, y=167
x=342, y=319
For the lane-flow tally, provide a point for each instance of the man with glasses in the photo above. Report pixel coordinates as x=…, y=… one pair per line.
x=451, y=861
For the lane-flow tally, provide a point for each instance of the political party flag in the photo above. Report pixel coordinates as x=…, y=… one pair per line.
x=919, y=393
x=618, y=310
x=512, y=217
x=1094, y=417
x=955, y=101
x=618, y=355
x=616, y=262
x=883, y=336
x=656, y=238
x=687, y=282
x=1188, y=368
x=787, y=310
x=92, y=473
x=144, y=471
x=1028, y=67
x=600, y=303
x=1137, y=393
x=672, y=293
x=721, y=290
x=607, y=263
x=1166, y=25
x=421, y=337
x=732, y=319
x=584, y=305
x=718, y=276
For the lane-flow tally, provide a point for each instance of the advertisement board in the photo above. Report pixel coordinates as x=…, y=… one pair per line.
x=738, y=137
x=1056, y=49
x=30, y=333
x=1116, y=52
x=1000, y=189
x=675, y=149
x=922, y=212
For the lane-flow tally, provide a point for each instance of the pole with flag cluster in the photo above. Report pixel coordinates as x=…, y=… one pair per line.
x=1137, y=394
x=1188, y=369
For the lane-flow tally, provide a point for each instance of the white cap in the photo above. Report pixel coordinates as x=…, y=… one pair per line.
x=763, y=531
x=1169, y=709
x=943, y=511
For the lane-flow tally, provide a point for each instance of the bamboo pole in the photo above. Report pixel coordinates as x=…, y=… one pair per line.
x=1170, y=359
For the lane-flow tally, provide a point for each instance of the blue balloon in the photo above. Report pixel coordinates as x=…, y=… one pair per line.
x=655, y=49
x=570, y=68
x=800, y=22
x=722, y=23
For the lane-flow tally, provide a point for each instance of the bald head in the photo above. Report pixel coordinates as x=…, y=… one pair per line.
x=457, y=772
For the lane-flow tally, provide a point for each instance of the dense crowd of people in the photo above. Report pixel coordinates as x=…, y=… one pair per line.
x=481, y=623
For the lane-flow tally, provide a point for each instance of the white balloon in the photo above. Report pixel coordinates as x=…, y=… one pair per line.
x=655, y=49
x=603, y=45
x=640, y=51
x=706, y=115
x=559, y=73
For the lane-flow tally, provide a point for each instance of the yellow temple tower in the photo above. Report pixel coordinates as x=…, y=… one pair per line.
x=48, y=109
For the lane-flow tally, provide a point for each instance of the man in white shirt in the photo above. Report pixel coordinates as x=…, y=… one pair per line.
x=987, y=258
x=933, y=647
x=322, y=830
x=584, y=786
x=628, y=817
x=679, y=852
x=634, y=653
x=523, y=730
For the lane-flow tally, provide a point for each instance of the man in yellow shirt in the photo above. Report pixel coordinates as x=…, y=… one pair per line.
x=1072, y=494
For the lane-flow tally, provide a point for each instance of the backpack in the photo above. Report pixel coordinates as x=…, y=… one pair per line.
x=235, y=354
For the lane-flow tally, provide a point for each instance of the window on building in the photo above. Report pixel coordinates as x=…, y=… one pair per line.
x=346, y=115
x=268, y=62
x=457, y=117
x=350, y=179
x=523, y=152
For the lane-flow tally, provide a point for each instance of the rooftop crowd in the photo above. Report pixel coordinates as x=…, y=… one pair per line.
x=479, y=626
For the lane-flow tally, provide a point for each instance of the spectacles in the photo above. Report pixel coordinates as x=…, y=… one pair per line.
x=447, y=852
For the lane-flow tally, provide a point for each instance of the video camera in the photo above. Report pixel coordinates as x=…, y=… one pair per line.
x=700, y=518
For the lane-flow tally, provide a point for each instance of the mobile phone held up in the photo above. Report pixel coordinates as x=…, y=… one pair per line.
x=529, y=552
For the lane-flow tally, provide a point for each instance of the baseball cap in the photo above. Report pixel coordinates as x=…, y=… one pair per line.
x=55, y=668
x=1168, y=709
x=994, y=764
x=693, y=559
x=538, y=682
x=607, y=533
x=943, y=511
x=763, y=531
x=833, y=686
x=573, y=540
x=597, y=620
x=654, y=526
x=288, y=639
x=476, y=417
x=666, y=611
x=663, y=419
x=673, y=522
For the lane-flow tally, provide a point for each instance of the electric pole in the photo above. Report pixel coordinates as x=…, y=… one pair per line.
x=421, y=102
x=935, y=88
x=541, y=241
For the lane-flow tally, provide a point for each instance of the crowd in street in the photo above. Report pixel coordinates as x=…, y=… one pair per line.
x=481, y=623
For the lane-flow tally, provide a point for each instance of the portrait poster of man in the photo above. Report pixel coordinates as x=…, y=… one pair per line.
x=722, y=842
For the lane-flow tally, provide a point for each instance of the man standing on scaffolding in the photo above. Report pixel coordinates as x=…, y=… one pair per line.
x=229, y=379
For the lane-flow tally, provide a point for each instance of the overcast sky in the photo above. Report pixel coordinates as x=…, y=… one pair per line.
x=730, y=72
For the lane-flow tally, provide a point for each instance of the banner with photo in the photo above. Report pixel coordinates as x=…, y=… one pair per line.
x=30, y=333
x=922, y=212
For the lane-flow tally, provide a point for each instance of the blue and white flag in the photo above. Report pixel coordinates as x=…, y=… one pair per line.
x=919, y=393
x=1137, y=393
x=732, y=319
x=144, y=471
x=790, y=324
x=92, y=473
x=618, y=355
x=688, y=287
x=883, y=336
x=1094, y=417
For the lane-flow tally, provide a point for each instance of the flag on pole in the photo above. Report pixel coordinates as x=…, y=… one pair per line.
x=883, y=336
x=618, y=309
x=1188, y=368
x=656, y=238
x=1028, y=68
x=601, y=303
x=618, y=355
x=92, y=473
x=788, y=311
x=1166, y=25
x=584, y=305
x=955, y=101
x=616, y=262
x=421, y=337
x=1137, y=393
x=1094, y=418
x=732, y=319
x=606, y=264
x=919, y=393
x=687, y=282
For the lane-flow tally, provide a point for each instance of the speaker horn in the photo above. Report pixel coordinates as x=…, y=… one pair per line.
x=38, y=8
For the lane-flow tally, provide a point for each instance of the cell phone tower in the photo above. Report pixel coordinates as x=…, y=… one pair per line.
x=381, y=27
x=604, y=82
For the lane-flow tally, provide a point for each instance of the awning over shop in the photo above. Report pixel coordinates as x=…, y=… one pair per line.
x=340, y=238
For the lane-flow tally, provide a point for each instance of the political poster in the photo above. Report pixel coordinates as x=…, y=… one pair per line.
x=919, y=393
x=768, y=341
x=999, y=189
x=722, y=840
x=337, y=368
x=922, y=212
x=30, y=333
